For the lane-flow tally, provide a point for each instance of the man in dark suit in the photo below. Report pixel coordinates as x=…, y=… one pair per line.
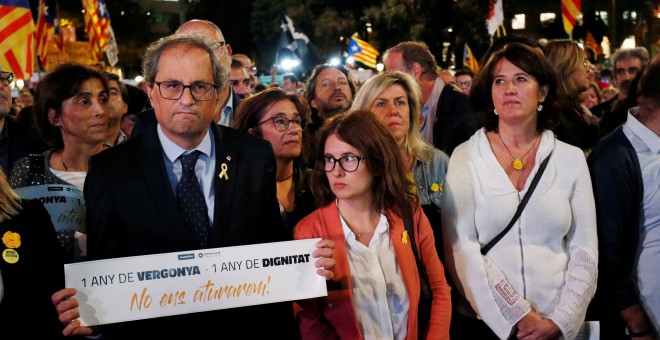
x=131, y=191
x=228, y=99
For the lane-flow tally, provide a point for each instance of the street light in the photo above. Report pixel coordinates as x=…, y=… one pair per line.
x=289, y=64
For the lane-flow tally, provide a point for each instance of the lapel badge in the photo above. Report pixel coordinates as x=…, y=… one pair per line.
x=404, y=237
x=11, y=239
x=223, y=171
x=10, y=256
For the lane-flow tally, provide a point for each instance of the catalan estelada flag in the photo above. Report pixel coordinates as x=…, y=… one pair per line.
x=17, y=37
x=45, y=31
x=570, y=10
x=469, y=61
x=97, y=21
x=361, y=51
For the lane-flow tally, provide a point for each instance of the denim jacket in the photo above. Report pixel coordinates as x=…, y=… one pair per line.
x=430, y=178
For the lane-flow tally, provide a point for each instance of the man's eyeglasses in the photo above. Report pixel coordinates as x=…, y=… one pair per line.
x=282, y=123
x=348, y=163
x=173, y=90
x=6, y=78
x=464, y=83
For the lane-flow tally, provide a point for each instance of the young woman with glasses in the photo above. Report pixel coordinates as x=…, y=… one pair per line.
x=364, y=196
x=280, y=118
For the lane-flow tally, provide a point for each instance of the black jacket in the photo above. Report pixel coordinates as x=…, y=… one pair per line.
x=132, y=210
x=618, y=190
x=455, y=121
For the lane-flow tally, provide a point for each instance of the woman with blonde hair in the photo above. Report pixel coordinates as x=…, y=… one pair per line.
x=591, y=96
x=394, y=97
x=578, y=127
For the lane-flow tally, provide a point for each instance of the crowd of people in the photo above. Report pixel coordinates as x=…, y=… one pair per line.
x=512, y=203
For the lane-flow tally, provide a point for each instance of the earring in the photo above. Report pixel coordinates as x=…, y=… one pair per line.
x=57, y=124
x=539, y=108
x=495, y=112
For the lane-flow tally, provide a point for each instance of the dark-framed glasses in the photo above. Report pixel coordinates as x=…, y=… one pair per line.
x=348, y=163
x=6, y=78
x=173, y=90
x=282, y=123
x=464, y=83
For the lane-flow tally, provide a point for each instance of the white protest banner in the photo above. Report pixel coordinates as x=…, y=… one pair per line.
x=65, y=204
x=150, y=286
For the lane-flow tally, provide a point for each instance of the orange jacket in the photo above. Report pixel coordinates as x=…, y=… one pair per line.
x=334, y=316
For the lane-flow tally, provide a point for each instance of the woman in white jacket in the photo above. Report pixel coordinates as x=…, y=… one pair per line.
x=537, y=281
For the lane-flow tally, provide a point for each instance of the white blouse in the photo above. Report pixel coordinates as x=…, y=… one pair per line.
x=379, y=293
x=547, y=262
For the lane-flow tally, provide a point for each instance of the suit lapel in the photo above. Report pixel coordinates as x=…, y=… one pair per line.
x=150, y=161
x=226, y=164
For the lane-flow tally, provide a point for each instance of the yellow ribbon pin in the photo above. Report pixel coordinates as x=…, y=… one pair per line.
x=404, y=237
x=223, y=173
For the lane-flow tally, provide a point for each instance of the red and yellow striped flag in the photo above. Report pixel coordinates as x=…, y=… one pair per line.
x=469, y=60
x=17, y=37
x=45, y=32
x=590, y=43
x=97, y=21
x=570, y=11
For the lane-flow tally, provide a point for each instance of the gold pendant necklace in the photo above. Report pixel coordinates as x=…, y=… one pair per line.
x=517, y=161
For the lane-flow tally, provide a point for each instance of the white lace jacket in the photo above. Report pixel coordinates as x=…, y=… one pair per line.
x=548, y=260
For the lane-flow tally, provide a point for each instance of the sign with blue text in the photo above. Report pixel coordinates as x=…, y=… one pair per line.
x=151, y=286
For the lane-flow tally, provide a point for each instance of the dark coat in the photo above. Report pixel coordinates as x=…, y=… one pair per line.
x=26, y=309
x=20, y=143
x=132, y=210
x=618, y=190
x=455, y=120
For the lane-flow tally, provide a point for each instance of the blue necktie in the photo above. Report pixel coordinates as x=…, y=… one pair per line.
x=192, y=205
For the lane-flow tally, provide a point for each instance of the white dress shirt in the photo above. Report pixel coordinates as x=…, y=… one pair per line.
x=379, y=293
x=647, y=146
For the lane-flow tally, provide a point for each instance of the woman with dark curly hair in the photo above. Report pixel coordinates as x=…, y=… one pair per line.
x=71, y=112
x=534, y=282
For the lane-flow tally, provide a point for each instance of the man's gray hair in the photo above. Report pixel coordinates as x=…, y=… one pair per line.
x=640, y=53
x=156, y=49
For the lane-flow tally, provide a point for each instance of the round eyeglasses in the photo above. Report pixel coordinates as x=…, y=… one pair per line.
x=173, y=90
x=348, y=163
x=282, y=123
